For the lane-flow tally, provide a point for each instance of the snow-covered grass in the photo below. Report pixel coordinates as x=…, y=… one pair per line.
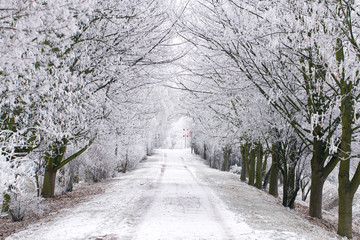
x=330, y=204
x=46, y=209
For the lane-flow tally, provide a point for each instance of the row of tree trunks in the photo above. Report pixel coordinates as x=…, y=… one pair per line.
x=253, y=164
x=259, y=165
x=253, y=168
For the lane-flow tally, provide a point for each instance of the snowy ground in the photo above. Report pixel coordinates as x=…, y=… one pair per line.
x=173, y=195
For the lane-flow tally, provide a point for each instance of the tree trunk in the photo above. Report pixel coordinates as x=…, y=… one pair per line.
x=243, y=150
x=317, y=183
x=345, y=201
x=124, y=168
x=53, y=158
x=251, y=167
x=48, y=189
x=317, y=178
x=259, y=169
x=204, y=151
x=274, y=172
x=284, y=173
x=225, y=160
x=291, y=188
x=291, y=168
x=295, y=192
x=285, y=191
x=345, y=187
x=304, y=191
x=264, y=165
x=293, y=196
x=226, y=156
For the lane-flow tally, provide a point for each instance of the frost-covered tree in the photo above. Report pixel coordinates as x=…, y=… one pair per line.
x=33, y=35
x=302, y=57
x=62, y=66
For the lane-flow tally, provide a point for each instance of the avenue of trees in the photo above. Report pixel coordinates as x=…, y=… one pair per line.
x=277, y=82
x=85, y=91
x=77, y=84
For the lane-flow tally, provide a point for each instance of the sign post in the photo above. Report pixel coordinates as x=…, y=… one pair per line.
x=186, y=134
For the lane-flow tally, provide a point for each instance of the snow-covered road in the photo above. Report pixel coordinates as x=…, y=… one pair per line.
x=173, y=195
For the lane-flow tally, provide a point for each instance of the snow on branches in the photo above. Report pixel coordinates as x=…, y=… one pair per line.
x=69, y=71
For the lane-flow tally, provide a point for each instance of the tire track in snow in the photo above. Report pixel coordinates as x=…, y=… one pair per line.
x=154, y=188
x=215, y=210
x=140, y=203
x=183, y=208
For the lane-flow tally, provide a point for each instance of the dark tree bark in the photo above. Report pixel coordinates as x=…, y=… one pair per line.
x=251, y=167
x=226, y=156
x=244, y=155
x=274, y=171
x=259, y=167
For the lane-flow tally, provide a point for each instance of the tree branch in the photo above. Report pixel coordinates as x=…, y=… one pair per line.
x=75, y=155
